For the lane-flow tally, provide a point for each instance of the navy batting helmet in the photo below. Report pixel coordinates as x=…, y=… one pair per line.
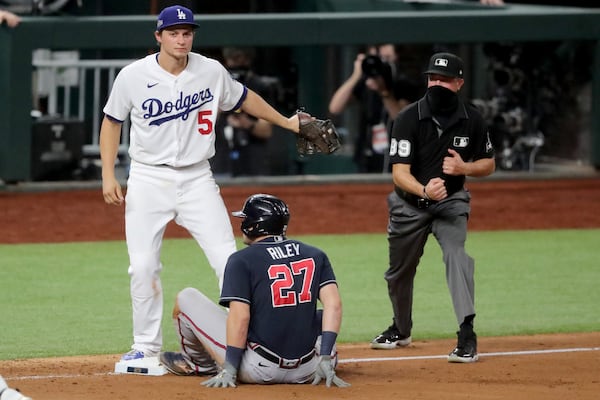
x=264, y=215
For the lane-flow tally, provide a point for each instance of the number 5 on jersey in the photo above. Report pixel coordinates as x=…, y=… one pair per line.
x=205, y=124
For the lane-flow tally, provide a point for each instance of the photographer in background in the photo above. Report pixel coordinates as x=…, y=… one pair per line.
x=382, y=92
x=242, y=140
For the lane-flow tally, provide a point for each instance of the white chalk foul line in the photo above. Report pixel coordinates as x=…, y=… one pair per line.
x=497, y=354
x=345, y=360
x=65, y=376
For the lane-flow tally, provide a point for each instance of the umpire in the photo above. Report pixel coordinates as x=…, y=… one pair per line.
x=436, y=142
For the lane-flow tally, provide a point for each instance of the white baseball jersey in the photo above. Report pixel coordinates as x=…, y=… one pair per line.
x=172, y=121
x=173, y=117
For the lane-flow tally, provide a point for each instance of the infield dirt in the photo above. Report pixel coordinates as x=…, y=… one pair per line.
x=539, y=367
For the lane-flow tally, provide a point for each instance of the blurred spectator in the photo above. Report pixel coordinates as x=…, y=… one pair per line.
x=242, y=140
x=9, y=18
x=382, y=92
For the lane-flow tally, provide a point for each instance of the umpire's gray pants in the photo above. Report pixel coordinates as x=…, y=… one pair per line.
x=408, y=229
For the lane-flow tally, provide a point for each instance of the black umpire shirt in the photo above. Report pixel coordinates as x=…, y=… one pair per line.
x=419, y=139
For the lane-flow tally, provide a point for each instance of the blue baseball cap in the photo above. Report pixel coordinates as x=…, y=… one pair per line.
x=175, y=15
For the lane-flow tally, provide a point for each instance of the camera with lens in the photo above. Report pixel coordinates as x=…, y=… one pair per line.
x=373, y=67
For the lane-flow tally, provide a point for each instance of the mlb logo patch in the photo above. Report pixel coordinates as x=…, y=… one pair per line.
x=441, y=62
x=461, y=141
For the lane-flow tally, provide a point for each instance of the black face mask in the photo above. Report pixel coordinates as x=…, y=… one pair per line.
x=441, y=100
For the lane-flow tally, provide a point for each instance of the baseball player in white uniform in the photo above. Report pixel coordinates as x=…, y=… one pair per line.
x=172, y=98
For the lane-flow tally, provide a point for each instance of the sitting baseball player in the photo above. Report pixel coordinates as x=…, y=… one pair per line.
x=273, y=332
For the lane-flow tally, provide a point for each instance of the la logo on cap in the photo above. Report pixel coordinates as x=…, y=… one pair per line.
x=441, y=62
x=180, y=14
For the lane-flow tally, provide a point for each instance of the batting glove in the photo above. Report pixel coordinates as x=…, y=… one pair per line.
x=226, y=378
x=325, y=371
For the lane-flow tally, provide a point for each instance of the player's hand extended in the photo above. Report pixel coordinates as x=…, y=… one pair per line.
x=226, y=378
x=325, y=371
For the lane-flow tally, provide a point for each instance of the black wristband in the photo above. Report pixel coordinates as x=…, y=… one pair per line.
x=327, y=341
x=233, y=355
x=425, y=195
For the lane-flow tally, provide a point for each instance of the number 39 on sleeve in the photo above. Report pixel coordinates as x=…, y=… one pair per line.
x=401, y=148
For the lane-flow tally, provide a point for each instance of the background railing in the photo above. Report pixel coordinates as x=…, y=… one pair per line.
x=100, y=70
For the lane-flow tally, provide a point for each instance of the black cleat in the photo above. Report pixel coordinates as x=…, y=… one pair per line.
x=390, y=339
x=176, y=364
x=466, y=348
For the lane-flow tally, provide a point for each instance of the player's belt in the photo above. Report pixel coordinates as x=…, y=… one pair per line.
x=284, y=363
x=414, y=200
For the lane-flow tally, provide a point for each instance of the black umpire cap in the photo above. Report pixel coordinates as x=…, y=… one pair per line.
x=446, y=64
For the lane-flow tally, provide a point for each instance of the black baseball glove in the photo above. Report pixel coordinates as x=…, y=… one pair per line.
x=316, y=135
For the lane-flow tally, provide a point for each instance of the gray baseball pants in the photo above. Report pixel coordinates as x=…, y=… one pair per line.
x=408, y=230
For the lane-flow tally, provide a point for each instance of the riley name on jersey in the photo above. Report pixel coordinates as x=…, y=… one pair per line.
x=285, y=251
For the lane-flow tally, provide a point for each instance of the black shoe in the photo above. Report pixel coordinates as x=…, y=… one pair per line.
x=177, y=365
x=390, y=339
x=466, y=348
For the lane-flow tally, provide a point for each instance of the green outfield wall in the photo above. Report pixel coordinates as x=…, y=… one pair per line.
x=308, y=33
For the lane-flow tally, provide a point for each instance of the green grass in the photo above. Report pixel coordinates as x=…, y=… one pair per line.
x=73, y=298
